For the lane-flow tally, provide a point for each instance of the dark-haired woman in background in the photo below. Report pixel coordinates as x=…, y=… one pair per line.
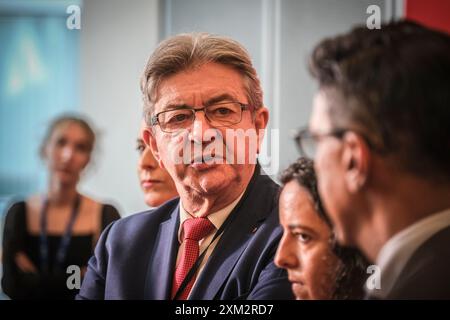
x=46, y=233
x=318, y=267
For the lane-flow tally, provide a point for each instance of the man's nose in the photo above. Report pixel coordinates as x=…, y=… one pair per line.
x=199, y=127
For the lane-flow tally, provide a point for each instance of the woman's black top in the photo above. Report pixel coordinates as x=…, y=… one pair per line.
x=43, y=285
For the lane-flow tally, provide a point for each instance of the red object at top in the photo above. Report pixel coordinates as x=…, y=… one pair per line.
x=431, y=13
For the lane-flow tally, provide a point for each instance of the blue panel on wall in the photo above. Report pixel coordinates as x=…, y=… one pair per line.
x=39, y=78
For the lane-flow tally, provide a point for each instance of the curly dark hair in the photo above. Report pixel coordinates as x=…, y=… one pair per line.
x=303, y=172
x=351, y=277
x=395, y=83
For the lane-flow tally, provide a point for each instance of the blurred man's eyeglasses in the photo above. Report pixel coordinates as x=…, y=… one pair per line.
x=221, y=114
x=307, y=141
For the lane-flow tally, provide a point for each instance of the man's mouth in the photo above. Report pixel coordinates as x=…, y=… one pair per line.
x=208, y=159
x=206, y=162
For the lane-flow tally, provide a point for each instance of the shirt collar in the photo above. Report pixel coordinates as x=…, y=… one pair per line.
x=396, y=252
x=217, y=218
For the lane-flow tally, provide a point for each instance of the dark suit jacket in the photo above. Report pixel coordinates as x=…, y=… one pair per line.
x=135, y=256
x=427, y=273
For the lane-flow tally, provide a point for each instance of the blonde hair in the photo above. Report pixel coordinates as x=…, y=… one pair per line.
x=191, y=50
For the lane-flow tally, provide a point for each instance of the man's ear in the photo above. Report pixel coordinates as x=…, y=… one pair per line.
x=150, y=141
x=356, y=159
x=261, y=120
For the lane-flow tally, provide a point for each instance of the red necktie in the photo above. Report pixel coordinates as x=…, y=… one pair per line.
x=194, y=230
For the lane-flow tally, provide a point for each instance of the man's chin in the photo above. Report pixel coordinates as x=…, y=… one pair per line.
x=211, y=179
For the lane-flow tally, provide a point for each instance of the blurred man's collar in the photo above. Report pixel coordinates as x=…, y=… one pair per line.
x=398, y=249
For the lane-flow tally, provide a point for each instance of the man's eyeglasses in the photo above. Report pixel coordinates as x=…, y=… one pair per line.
x=307, y=141
x=221, y=114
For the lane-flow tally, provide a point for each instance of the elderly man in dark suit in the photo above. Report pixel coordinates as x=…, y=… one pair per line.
x=206, y=119
x=380, y=137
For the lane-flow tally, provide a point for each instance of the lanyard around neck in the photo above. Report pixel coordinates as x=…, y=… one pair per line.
x=65, y=240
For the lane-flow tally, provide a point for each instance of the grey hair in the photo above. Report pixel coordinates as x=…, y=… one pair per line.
x=191, y=50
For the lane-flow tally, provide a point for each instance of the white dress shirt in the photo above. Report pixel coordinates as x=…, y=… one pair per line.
x=396, y=252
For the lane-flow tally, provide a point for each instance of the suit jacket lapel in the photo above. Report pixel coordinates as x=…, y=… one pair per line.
x=223, y=259
x=161, y=264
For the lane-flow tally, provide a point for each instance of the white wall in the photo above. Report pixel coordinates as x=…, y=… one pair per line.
x=303, y=24
x=117, y=37
x=280, y=35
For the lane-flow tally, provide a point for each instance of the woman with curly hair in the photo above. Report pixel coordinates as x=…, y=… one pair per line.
x=318, y=267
